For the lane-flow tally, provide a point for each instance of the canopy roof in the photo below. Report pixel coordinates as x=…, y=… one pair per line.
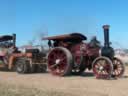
x=6, y=38
x=72, y=36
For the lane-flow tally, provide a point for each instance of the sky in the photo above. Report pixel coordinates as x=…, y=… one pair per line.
x=29, y=18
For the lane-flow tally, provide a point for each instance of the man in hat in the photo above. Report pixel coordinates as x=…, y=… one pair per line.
x=94, y=42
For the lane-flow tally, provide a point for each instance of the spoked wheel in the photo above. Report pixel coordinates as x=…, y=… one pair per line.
x=22, y=66
x=60, y=61
x=118, y=67
x=102, y=67
x=79, y=65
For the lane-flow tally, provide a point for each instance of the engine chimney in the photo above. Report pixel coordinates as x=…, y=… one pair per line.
x=107, y=50
x=14, y=39
x=106, y=35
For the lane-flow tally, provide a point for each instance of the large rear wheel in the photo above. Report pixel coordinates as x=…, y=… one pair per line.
x=60, y=61
x=102, y=67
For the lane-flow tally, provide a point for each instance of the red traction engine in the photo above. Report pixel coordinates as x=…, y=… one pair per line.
x=69, y=54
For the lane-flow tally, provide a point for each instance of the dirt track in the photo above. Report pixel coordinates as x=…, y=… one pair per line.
x=86, y=85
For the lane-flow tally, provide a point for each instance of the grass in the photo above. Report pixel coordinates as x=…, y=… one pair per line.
x=13, y=90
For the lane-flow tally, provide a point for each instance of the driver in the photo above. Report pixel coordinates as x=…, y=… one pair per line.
x=12, y=49
x=94, y=42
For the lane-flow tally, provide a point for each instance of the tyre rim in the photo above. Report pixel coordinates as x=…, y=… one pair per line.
x=57, y=62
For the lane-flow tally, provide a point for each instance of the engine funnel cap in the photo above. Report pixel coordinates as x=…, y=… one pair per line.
x=106, y=26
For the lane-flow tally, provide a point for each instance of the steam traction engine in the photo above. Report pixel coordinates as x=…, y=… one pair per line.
x=11, y=58
x=70, y=55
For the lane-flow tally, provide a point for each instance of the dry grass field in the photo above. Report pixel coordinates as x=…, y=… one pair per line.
x=44, y=84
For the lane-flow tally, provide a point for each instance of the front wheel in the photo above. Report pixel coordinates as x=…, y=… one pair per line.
x=102, y=67
x=119, y=67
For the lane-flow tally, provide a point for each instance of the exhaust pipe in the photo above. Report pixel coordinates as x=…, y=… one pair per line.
x=107, y=50
x=106, y=36
x=14, y=39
